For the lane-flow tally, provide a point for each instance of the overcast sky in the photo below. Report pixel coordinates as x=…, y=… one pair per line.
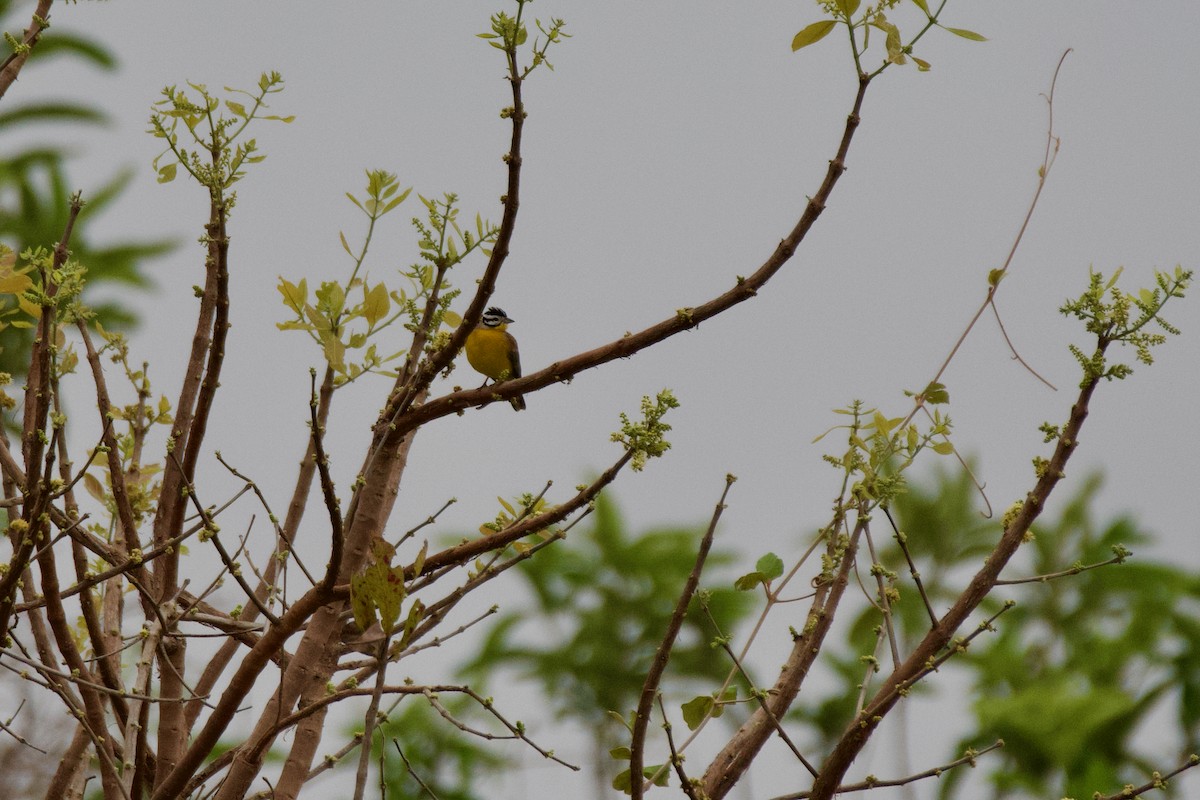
x=669, y=151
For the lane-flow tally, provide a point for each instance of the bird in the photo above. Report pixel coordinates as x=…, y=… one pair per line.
x=493, y=352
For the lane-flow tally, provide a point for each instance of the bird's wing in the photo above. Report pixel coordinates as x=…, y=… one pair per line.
x=515, y=356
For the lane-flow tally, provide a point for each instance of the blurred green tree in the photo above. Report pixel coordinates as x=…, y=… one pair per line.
x=421, y=754
x=600, y=603
x=1083, y=661
x=1094, y=648
x=35, y=188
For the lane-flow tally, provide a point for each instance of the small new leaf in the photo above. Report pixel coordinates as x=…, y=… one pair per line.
x=768, y=568
x=935, y=394
x=966, y=34
x=812, y=33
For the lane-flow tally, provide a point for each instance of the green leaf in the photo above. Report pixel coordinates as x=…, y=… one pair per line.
x=935, y=394
x=812, y=33
x=622, y=783
x=397, y=201
x=966, y=34
x=236, y=108
x=749, y=581
x=848, y=7
x=167, y=173
x=621, y=753
x=14, y=282
x=51, y=112
x=360, y=602
x=416, y=613
x=64, y=43
x=696, y=710
x=921, y=5
x=770, y=565
x=627, y=723
x=922, y=64
x=943, y=448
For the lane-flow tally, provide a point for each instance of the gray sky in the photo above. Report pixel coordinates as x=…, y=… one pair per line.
x=669, y=151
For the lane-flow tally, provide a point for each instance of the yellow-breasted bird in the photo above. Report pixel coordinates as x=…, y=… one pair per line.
x=493, y=352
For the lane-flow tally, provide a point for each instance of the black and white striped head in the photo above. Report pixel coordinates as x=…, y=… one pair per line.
x=495, y=318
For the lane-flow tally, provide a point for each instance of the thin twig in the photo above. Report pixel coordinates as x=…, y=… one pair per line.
x=1075, y=570
x=884, y=604
x=902, y=540
x=431, y=519
x=760, y=696
x=663, y=655
x=5, y=726
x=1157, y=781
x=875, y=783
x=685, y=782
x=212, y=530
x=371, y=718
x=1013, y=348
x=998, y=274
x=279, y=531
x=515, y=731
x=413, y=772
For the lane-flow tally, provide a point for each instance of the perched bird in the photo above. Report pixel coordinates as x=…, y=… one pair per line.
x=493, y=352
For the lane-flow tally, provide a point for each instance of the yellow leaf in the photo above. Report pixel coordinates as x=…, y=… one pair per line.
x=295, y=296
x=419, y=563
x=93, y=486
x=812, y=33
x=376, y=304
x=966, y=34
x=360, y=602
x=14, y=283
x=335, y=351
x=29, y=308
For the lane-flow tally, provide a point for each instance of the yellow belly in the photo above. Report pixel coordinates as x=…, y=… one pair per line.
x=487, y=352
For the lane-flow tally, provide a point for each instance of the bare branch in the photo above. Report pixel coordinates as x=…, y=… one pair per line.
x=663, y=655
x=876, y=783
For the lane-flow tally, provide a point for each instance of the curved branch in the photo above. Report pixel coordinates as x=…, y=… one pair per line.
x=683, y=320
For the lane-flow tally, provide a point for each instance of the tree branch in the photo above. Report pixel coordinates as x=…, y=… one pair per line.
x=12, y=65
x=662, y=656
x=861, y=728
